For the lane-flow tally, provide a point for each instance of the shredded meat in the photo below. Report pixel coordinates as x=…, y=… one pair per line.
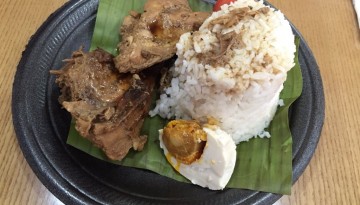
x=230, y=40
x=109, y=107
x=91, y=77
x=267, y=60
x=151, y=37
x=235, y=15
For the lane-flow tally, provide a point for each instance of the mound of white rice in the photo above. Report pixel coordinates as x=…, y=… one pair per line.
x=242, y=91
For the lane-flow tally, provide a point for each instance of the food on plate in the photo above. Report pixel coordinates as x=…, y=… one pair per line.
x=214, y=151
x=108, y=107
x=150, y=37
x=232, y=69
x=110, y=97
x=223, y=89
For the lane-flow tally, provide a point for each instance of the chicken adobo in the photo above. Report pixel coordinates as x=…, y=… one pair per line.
x=150, y=37
x=108, y=107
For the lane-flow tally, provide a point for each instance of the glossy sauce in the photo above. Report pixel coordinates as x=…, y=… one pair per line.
x=164, y=34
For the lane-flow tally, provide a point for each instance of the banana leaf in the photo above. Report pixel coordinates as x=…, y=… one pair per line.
x=263, y=164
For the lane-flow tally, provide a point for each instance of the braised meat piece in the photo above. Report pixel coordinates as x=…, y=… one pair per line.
x=109, y=107
x=150, y=37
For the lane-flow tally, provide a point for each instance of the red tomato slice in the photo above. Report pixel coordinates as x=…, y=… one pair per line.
x=219, y=3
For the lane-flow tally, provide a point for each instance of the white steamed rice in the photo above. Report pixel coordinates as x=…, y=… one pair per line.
x=243, y=93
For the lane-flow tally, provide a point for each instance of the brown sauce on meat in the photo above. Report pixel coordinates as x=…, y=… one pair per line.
x=108, y=107
x=154, y=33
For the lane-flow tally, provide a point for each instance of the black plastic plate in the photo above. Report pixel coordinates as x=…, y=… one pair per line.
x=77, y=178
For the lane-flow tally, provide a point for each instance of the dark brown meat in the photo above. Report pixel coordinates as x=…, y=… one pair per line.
x=91, y=77
x=109, y=107
x=151, y=37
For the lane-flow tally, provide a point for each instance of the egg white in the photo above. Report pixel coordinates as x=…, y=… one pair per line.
x=215, y=166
